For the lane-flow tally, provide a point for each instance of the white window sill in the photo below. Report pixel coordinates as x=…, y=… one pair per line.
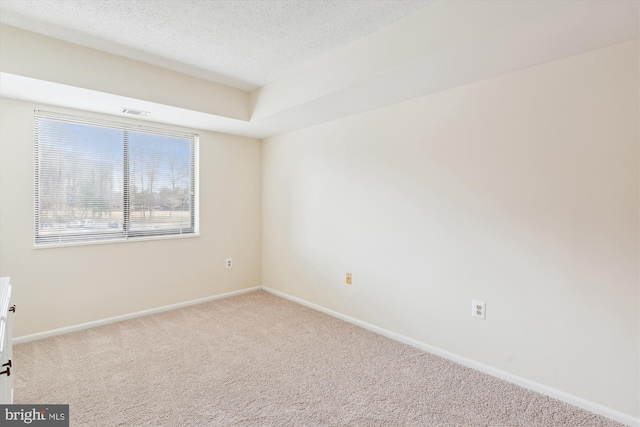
x=111, y=241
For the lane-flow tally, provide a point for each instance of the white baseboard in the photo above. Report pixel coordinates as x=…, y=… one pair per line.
x=523, y=382
x=66, y=330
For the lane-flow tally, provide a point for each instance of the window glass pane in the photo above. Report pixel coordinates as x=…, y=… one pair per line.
x=80, y=179
x=159, y=182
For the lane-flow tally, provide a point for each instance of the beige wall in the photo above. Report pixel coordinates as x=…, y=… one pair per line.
x=60, y=287
x=521, y=191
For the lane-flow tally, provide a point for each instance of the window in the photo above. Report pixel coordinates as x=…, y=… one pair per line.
x=96, y=180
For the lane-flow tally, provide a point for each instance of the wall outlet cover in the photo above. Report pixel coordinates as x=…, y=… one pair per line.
x=478, y=309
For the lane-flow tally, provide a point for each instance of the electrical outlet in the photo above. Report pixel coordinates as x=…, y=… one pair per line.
x=478, y=309
x=228, y=263
x=348, y=278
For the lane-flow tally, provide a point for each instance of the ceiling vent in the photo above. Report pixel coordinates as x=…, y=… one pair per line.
x=133, y=112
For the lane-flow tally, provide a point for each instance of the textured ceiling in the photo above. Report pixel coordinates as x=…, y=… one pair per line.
x=242, y=43
x=442, y=46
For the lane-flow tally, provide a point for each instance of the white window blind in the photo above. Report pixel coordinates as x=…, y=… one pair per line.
x=98, y=180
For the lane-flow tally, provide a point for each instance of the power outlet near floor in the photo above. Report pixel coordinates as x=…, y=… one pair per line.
x=478, y=309
x=228, y=263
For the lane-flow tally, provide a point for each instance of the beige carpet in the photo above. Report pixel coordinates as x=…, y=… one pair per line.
x=260, y=360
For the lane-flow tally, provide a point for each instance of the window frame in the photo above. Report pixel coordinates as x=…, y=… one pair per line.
x=124, y=234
